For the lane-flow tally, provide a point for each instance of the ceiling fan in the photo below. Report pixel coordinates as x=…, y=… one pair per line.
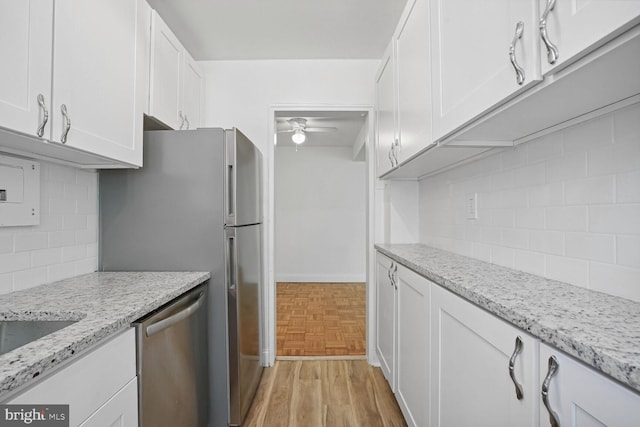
x=299, y=129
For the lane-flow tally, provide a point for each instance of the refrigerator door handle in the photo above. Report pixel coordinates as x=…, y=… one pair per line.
x=231, y=177
x=231, y=258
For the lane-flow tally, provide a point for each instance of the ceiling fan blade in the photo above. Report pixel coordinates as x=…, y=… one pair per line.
x=324, y=129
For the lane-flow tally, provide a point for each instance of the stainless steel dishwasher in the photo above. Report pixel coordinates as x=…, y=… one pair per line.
x=172, y=363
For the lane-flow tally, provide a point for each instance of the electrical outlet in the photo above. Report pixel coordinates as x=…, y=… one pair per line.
x=472, y=206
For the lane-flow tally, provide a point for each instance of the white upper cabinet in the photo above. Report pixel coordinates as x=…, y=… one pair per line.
x=578, y=396
x=98, y=75
x=414, y=81
x=386, y=114
x=192, y=93
x=483, y=370
x=483, y=53
x=175, y=80
x=74, y=73
x=25, y=74
x=569, y=29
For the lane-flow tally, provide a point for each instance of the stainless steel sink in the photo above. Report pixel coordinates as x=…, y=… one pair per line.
x=16, y=333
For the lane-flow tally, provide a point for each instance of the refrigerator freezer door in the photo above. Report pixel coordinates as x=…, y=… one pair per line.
x=244, y=317
x=243, y=180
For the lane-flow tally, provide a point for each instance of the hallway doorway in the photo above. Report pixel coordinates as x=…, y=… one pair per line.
x=320, y=189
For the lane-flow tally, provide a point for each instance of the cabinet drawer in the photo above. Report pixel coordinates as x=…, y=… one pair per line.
x=88, y=382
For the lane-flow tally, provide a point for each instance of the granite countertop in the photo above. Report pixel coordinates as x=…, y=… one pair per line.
x=103, y=303
x=601, y=330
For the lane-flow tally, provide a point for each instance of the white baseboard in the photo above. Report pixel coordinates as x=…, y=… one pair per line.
x=307, y=278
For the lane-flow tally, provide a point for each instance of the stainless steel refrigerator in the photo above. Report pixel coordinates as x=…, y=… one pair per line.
x=196, y=205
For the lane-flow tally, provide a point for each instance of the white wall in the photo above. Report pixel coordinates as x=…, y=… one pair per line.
x=320, y=215
x=65, y=244
x=565, y=206
x=244, y=94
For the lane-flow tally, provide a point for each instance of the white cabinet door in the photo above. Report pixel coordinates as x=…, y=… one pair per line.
x=386, y=317
x=576, y=27
x=166, y=74
x=581, y=397
x=89, y=381
x=413, y=347
x=385, y=113
x=98, y=56
x=25, y=73
x=414, y=81
x=470, y=360
x=471, y=68
x=120, y=411
x=192, y=93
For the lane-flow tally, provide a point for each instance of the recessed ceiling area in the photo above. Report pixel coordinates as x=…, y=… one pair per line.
x=342, y=128
x=282, y=29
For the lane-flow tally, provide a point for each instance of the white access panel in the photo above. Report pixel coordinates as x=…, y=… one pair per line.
x=19, y=192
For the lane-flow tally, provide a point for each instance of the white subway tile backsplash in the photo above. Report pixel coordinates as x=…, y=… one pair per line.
x=612, y=159
x=531, y=262
x=617, y=219
x=590, y=190
x=569, y=270
x=628, y=187
x=550, y=242
x=594, y=133
x=46, y=257
x=30, y=241
x=14, y=262
x=570, y=212
x=65, y=242
x=627, y=125
x=546, y=195
x=628, y=251
x=615, y=280
x=546, y=147
x=6, y=243
x=590, y=246
x=563, y=168
x=566, y=218
x=530, y=218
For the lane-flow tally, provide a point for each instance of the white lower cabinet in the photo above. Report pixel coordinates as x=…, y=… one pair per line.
x=386, y=317
x=412, y=360
x=100, y=386
x=578, y=396
x=473, y=355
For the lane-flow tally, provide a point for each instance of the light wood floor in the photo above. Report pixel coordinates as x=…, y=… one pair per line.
x=321, y=319
x=317, y=393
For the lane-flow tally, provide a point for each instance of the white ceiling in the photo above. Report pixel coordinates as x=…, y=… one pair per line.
x=348, y=123
x=282, y=29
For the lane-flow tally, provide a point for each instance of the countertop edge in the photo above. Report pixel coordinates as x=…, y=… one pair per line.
x=625, y=373
x=37, y=361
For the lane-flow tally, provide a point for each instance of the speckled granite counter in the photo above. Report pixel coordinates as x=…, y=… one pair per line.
x=103, y=304
x=601, y=330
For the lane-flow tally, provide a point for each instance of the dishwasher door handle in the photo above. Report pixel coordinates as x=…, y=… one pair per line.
x=163, y=324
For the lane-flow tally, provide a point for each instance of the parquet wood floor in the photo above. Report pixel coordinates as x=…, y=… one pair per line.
x=321, y=319
x=319, y=393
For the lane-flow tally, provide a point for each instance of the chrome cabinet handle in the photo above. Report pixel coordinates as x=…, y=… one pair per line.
x=512, y=53
x=512, y=363
x=67, y=121
x=181, y=119
x=552, y=49
x=186, y=120
x=391, y=155
x=389, y=270
x=396, y=147
x=45, y=115
x=394, y=279
x=553, y=369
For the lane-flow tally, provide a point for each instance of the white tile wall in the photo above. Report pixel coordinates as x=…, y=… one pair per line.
x=65, y=244
x=564, y=206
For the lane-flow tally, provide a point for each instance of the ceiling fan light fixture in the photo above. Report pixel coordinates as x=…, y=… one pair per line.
x=298, y=136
